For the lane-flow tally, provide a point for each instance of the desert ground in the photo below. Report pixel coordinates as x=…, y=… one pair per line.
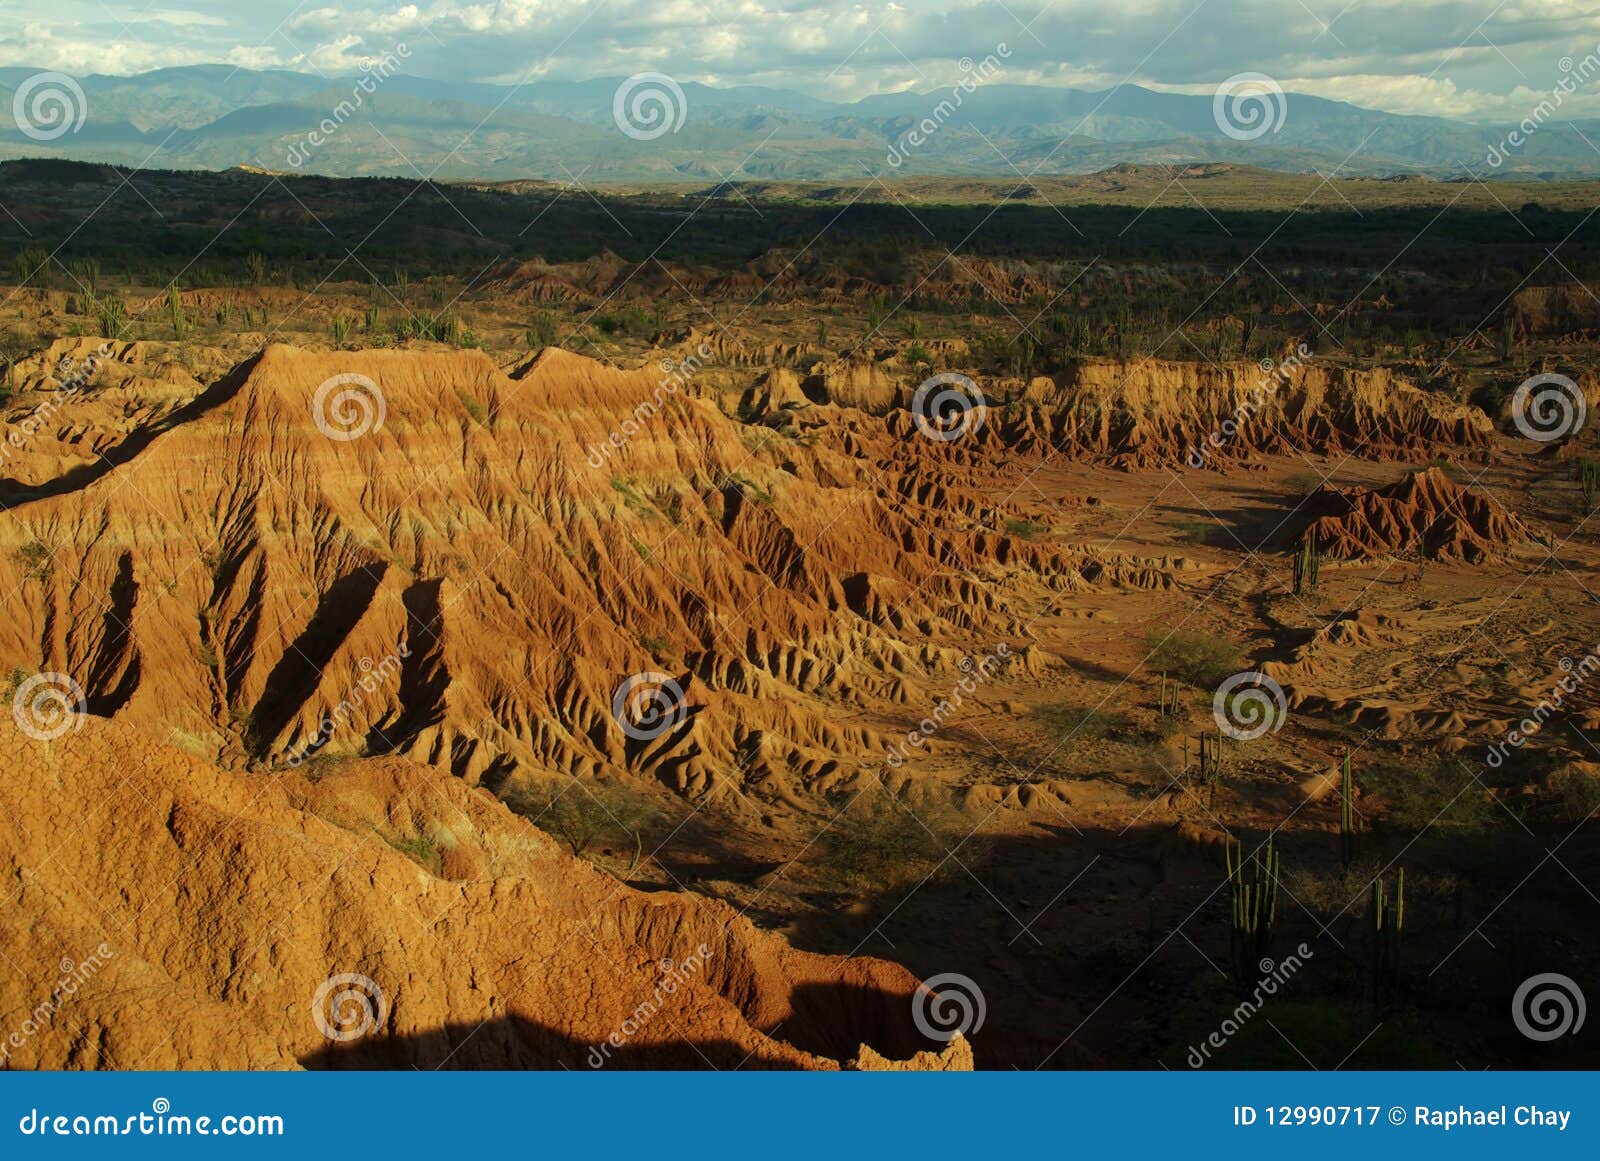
x=926, y=626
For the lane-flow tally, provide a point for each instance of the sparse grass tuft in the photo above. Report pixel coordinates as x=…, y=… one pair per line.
x=1083, y=723
x=473, y=408
x=421, y=850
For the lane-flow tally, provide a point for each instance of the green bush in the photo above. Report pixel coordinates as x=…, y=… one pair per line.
x=877, y=841
x=1192, y=655
x=1438, y=797
x=587, y=815
x=1489, y=397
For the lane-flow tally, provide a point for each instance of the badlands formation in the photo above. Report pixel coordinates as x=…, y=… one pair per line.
x=326, y=639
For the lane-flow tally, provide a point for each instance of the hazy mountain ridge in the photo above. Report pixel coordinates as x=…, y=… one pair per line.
x=216, y=117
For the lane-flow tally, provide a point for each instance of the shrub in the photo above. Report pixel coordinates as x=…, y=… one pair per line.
x=1490, y=398
x=111, y=311
x=1437, y=797
x=1191, y=655
x=32, y=265
x=34, y=557
x=542, y=330
x=473, y=408
x=1575, y=794
x=586, y=815
x=1029, y=530
x=877, y=841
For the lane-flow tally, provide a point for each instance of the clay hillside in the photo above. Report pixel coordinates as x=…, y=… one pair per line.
x=647, y=641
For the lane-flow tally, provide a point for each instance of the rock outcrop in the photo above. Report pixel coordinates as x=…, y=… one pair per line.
x=1424, y=512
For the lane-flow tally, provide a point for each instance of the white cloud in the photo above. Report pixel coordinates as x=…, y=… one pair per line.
x=1463, y=58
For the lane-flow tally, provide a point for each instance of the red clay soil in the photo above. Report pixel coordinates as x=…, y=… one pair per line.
x=163, y=913
x=1424, y=512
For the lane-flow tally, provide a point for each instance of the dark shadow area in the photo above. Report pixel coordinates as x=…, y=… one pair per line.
x=1102, y=949
x=13, y=494
x=515, y=1043
x=829, y=1020
x=297, y=673
x=114, y=673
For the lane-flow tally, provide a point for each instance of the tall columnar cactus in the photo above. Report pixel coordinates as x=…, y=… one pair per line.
x=1307, y=564
x=1253, y=880
x=1588, y=471
x=1349, y=820
x=1211, y=759
x=1388, y=925
x=175, y=309
x=1169, y=696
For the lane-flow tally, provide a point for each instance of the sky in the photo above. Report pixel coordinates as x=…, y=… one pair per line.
x=1473, y=59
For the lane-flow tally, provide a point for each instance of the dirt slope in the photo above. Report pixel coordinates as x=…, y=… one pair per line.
x=461, y=583
x=190, y=916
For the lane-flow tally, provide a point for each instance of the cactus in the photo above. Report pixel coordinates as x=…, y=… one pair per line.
x=1349, y=820
x=175, y=309
x=1169, y=697
x=1253, y=881
x=1388, y=925
x=1211, y=758
x=1307, y=565
x=1588, y=472
x=111, y=311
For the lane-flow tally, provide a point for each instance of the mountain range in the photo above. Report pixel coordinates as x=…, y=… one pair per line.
x=216, y=117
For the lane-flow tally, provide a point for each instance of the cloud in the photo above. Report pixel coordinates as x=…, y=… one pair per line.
x=1462, y=58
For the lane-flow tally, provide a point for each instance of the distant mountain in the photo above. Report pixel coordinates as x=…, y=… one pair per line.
x=215, y=117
